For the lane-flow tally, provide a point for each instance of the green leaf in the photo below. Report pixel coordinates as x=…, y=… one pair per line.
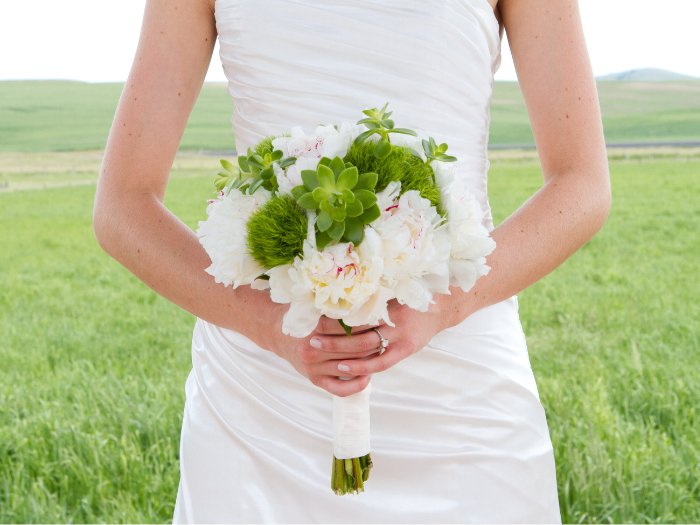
x=354, y=209
x=426, y=148
x=445, y=158
x=325, y=161
x=255, y=186
x=348, y=196
x=324, y=221
x=320, y=194
x=243, y=163
x=337, y=165
x=276, y=155
x=366, y=181
x=404, y=131
x=388, y=123
x=326, y=178
x=347, y=178
x=338, y=213
x=364, y=136
x=267, y=173
x=336, y=230
x=366, y=197
x=307, y=201
x=285, y=163
x=325, y=206
x=354, y=230
x=371, y=214
x=309, y=178
x=322, y=240
x=298, y=191
x=227, y=166
x=382, y=149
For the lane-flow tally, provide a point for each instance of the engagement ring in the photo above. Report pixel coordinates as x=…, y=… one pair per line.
x=383, y=341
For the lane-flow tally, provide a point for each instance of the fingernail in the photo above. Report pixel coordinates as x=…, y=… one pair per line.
x=343, y=368
x=316, y=343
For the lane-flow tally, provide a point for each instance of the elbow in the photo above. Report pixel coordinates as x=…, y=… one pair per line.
x=102, y=225
x=599, y=203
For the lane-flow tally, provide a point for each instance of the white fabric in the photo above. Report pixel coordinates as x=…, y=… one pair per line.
x=351, y=430
x=458, y=431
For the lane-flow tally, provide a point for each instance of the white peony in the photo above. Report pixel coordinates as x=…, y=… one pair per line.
x=224, y=236
x=415, y=247
x=325, y=141
x=471, y=241
x=341, y=281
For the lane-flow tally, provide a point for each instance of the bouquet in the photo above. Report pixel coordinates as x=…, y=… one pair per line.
x=339, y=222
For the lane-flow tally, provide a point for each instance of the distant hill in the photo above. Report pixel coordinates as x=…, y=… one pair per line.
x=70, y=116
x=648, y=74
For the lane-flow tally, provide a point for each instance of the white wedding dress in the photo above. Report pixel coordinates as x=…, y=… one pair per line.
x=458, y=431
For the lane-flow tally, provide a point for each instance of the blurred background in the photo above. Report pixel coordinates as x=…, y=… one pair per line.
x=93, y=363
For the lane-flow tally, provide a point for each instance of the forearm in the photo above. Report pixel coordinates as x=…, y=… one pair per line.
x=144, y=236
x=547, y=229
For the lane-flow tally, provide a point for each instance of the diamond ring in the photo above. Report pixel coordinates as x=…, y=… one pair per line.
x=383, y=341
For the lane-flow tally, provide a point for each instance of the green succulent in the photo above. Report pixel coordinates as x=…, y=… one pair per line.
x=379, y=123
x=435, y=152
x=254, y=170
x=343, y=200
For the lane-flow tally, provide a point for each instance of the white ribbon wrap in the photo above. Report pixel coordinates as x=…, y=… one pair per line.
x=351, y=425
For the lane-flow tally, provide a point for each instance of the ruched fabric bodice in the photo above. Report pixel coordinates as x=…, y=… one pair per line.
x=309, y=62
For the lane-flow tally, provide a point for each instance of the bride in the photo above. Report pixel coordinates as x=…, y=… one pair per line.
x=458, y=430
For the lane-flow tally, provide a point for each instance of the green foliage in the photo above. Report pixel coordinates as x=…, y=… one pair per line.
x=433, y=151
x=255, y=170
x=276, y=231
x=265, y=145
x=343, y=199
x=378, y=122
x=402, y=164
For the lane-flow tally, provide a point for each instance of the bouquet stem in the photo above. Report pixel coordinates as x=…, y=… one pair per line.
x=351, y=444
x=349, y=475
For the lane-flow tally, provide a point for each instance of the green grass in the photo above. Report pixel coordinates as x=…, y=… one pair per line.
x=93, y=363
x=38, y=116
x=632, y=112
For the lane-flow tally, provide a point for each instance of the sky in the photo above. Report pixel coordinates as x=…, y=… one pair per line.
x=94, y=40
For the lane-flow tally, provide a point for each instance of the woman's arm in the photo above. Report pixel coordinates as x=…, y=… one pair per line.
x=132, y=224
x=555, y=76
x=551, y=60
x=130, y=220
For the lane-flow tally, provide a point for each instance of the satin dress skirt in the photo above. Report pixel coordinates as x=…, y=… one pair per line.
x=458, y=434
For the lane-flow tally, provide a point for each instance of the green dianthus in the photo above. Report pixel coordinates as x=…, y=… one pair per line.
x=400, y=165
x=276, y=231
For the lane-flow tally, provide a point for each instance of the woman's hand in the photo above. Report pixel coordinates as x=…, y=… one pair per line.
x=328, y=353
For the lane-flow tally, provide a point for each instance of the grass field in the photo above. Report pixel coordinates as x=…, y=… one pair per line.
x=66, y=116
x=93, y=363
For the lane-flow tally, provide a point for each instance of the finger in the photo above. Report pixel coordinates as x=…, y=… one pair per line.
x=362, y=367
x=330, y=367
x=329, y=326
x=342, y=344
x=342, y=387
x=312, y=356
